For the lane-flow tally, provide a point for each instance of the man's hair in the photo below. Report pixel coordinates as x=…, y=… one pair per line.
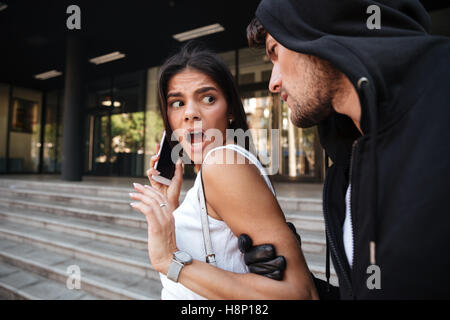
x=256, y=34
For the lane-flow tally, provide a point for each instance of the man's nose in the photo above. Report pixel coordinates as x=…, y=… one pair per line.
x=275, y=80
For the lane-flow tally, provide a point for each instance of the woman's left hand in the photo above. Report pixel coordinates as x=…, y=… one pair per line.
x=161, y=225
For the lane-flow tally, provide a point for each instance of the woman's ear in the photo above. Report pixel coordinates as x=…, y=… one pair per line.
x=230, y=118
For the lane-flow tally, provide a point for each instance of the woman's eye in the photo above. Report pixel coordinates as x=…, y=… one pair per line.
x=209, y=99
x=176, y=104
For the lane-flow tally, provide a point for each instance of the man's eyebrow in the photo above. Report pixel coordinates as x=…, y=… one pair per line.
x=205, y=89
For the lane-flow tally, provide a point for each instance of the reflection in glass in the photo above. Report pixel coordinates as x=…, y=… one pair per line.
x=52, y=133
x=229, y=58
x=154, y=125
x=259, y=118
x=127, y=143
x=298, y=147
x=4, y=105
x=24, y=137
x=118, y=144
x=115, y=144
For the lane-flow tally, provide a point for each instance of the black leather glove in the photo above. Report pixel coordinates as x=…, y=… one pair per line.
x=262, y=259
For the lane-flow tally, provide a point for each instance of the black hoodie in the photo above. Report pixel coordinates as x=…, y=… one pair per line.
x=400, y=168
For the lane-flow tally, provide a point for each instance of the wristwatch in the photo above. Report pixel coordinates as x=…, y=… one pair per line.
x=179, y=260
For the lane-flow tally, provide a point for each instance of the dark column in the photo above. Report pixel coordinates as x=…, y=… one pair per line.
x=73, y=104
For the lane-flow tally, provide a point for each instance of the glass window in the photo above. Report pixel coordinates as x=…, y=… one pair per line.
x=52, y=144
x=259, y=105
x=301, y=156
x=25, y=133
x=100, y=93
x=229, y=58
x=115, y=126
x=127, y=143
x=4, y=106
x=128, y=92
x=284, y=149
x=265, y=75
x=254, y=61
x=154, y=125
x=246, y=78
x=259, y=111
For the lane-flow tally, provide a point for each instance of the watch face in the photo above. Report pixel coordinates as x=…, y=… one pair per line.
x=183, y=257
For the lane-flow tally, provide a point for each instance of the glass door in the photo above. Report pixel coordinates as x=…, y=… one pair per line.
x=258, y=106
x=127, y=143
x=116, y=144
x=116, y=122
x=24, y=132
x=288, y=152
x=301, y=153
x=100, y=144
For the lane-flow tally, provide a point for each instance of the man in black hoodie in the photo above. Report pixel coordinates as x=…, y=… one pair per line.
x=378, y=86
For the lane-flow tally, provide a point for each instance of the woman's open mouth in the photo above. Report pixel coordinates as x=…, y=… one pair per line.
x=196, y=138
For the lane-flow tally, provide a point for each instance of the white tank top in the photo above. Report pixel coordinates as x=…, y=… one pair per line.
x=189, y=237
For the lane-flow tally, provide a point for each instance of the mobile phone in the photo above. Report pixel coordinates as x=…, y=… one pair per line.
x=164, y=165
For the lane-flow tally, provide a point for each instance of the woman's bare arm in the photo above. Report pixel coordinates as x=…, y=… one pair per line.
x=238, y=194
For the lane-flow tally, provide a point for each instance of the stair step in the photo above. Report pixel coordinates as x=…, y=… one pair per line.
x=120, y=200
x=312, y=241
x=95, y=202
x=110, y=255
x=306, y=220
x=139, y=258
x=130, y=218
x=312, y=221
x=79, y=188
x=47, y=226
x=96, y=279
x=116, y=234
x=300, y=204
x=16, y=283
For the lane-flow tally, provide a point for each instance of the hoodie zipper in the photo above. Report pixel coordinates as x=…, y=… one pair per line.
x=354, y=145
x=330, y=238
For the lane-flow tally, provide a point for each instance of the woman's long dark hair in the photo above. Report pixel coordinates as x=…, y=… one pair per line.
x=195, y=56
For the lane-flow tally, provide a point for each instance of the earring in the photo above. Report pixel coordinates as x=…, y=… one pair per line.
x=230, y=120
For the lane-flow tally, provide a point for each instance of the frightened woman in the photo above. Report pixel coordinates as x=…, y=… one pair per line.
x=196, y=90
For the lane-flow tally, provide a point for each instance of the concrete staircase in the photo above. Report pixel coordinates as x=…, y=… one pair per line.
x=45, y=227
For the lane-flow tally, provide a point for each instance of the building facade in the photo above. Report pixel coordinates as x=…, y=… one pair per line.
x=123, y=124
x=120, y=122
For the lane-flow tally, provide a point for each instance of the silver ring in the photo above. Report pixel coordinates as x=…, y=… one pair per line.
x=162, y=204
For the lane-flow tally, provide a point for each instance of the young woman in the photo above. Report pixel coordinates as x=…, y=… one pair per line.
x=197, y=90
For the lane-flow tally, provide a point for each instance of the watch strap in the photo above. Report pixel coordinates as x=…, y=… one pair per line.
x=174, y=270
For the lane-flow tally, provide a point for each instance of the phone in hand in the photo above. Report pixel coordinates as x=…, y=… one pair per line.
x=164, y=165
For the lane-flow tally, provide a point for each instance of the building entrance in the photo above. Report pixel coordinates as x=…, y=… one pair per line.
x=115, y=126
x=116, y=145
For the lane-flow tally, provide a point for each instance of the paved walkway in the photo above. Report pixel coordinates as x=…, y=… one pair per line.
x=283, y=189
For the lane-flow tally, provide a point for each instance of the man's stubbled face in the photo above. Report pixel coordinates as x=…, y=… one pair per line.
x=307, y=83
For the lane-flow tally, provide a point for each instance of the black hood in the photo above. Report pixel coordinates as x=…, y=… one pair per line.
x=337, y=32
x=382, y=64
